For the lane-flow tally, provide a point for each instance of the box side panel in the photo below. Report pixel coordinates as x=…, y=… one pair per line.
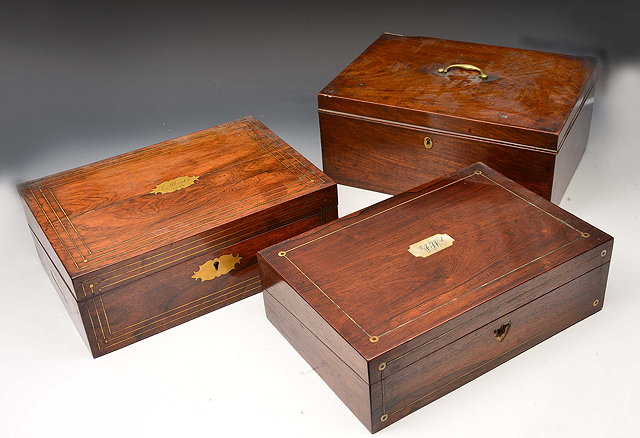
x=344, y=382
x=393, y=158
x=476, y=353
x=294, y=303
x=572, y=149
x=69, y=301
x=204, y=279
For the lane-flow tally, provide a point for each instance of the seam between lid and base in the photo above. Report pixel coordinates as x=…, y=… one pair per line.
x=460, y=135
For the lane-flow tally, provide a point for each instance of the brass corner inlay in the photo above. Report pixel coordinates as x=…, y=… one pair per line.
x=431, y=245
x=217, y=267
x=175, y=184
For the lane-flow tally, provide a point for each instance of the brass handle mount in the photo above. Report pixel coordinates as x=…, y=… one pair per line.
x=501, y=332
x=481, y=74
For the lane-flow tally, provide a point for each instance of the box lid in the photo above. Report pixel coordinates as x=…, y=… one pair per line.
x=405, y=267
x=527, y=98
x=107, y=212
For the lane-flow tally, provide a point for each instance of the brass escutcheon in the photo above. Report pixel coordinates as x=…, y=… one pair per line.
x=501, y=333
x=428, y=143
x=596, y=302
x=384, y=417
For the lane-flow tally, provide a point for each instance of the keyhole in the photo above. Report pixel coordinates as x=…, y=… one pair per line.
x=216, y=264
x=501, y=333
x=428, y=143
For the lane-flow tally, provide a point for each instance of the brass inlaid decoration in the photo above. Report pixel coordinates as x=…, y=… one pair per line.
x=175, y=184
x=431, y=245
x=217, y=267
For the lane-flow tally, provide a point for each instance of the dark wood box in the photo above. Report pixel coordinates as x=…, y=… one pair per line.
x=393, y=119
x=147, y=240
x=406, y=300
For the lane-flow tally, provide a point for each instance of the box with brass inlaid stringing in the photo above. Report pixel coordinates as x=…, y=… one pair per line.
x=406, y=300
x=147, y=240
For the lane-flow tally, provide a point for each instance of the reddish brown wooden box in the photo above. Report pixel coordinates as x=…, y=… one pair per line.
x=392, y=120
x=390, y=331
x=147, y=240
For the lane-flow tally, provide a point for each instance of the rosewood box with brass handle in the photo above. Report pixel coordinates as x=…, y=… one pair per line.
x=147, y=240
x=404, y=301
x=410, y=109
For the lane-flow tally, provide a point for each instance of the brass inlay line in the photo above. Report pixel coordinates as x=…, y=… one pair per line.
x=73, y=242
x=262, y=146
x=531, y=203
x=278, y=147
x=542, y=334
x=328, y=297
x=375, y=338
x=252, y=281
x=69, y=219
x=110, y=343
x=53, y=227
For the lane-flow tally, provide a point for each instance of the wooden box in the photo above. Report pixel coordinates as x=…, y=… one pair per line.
x=406, y=300
x=410, y=109
x=147, y=240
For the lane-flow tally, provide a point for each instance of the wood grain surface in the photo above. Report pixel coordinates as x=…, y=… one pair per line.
x=355, y=286
x=127, y=235
x=376, y=114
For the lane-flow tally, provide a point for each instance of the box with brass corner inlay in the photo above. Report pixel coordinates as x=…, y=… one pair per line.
x=410, y=109
x=404, y=301
x=147, y=240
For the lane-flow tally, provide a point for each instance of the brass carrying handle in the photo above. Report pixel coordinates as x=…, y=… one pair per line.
x=482, y=75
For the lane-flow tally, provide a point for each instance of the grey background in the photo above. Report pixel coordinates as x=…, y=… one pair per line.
x=81, y=81
x=85, y=80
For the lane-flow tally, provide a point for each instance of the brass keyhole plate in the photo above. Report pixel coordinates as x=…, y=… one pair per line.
x=428, y=143
x=501, y=333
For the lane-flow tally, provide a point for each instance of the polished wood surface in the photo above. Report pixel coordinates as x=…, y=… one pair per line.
x=128, y=234
x=355, y=280
x=532, y=106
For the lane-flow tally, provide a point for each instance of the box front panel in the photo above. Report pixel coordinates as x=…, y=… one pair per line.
x=448, y=368
x=166, y=290
x=393, y=159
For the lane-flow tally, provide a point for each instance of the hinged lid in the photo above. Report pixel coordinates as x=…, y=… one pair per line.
x=513, y=95
x=407, y=266
x=110, y=211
